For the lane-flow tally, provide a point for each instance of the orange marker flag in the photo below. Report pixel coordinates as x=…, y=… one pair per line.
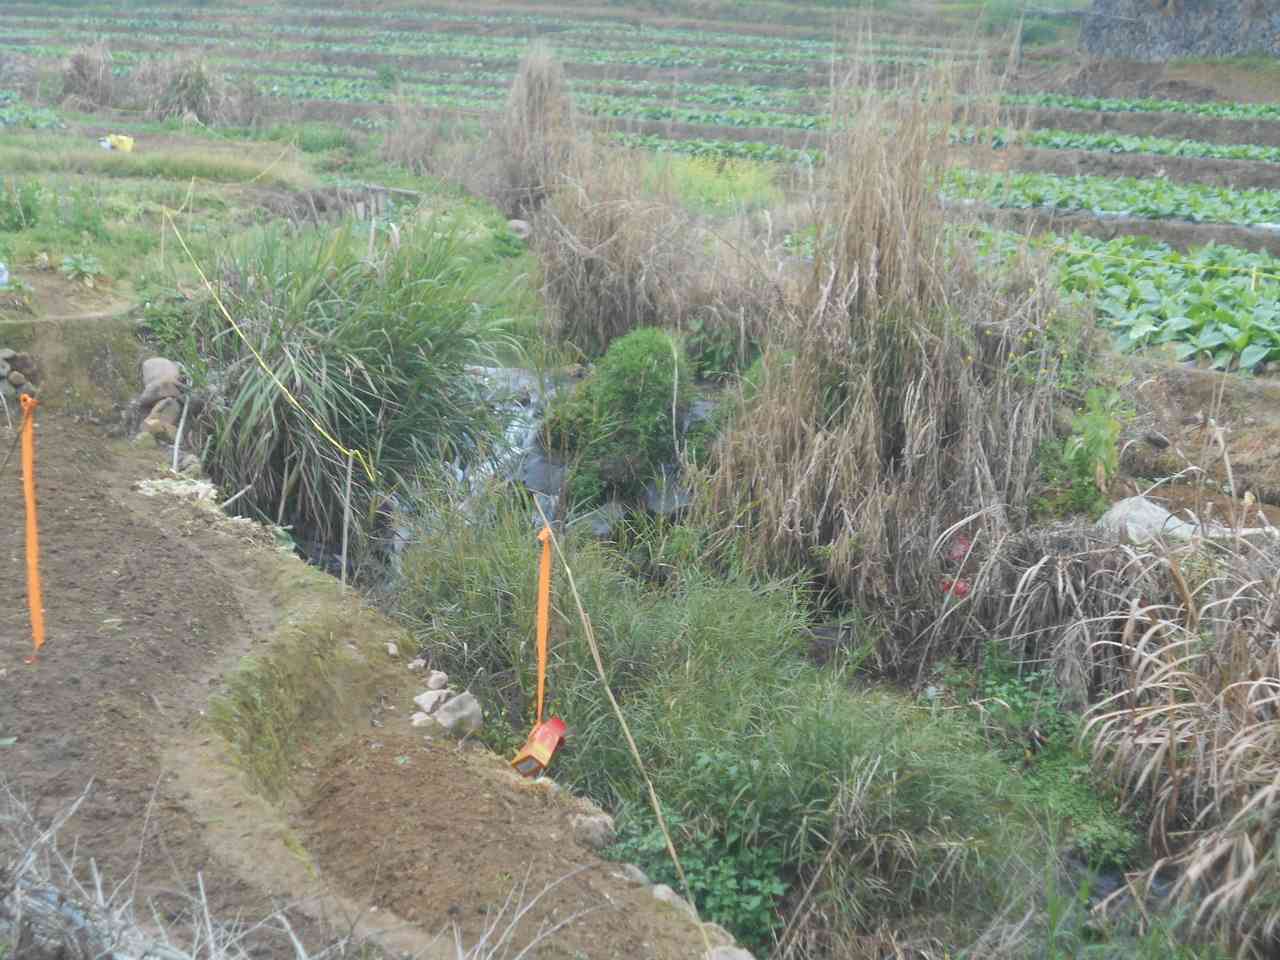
x=35, y=600
x=544, y=614
x=546, y=737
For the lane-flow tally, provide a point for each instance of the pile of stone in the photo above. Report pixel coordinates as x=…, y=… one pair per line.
x=443, y=709
x=19, y=374
x=160, y=403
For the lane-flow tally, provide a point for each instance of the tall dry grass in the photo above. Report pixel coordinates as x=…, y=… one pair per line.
x=177, y=87
x=619, y=252
x=538, y=136
x=1192, y=731
x=87, y=80
x=903, y=395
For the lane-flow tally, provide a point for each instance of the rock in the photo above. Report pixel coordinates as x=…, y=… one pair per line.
x=1137, y=519
x=602, y=520
x=431, y=701
x=437, y=679
x=163, y=419
x=718, y=935
x=666, y=495
x=520, y=228
x=728, y=953
x=159, y=390
x=664, y=893
x=160, y=370
x=633, y=873
x=420, y=719
x=392, y=649
x=541, y=475
x=461, y=715
x=417, y=665
x=24, y=363
x=593, y=831
x=16, y=379
x=4, y=369
x=6, y=354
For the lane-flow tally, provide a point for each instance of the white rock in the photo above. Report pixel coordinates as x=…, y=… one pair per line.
x=461, y=715
x=431, y=701
x=437, y=680
x=392, y=649
x=594, y=831
x=718, y=935
x=417, y=665
x=1137, y=519
x=633, y=873
x=422, y=720
x=664, y=893
x=160, y=370
x=728, y=953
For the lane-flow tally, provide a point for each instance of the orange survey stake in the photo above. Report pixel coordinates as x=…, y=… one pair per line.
x=35, y=600
x=546, y=738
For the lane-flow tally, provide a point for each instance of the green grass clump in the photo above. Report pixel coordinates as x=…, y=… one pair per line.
x=762, y=760
x=372, y=350
x=618, y=423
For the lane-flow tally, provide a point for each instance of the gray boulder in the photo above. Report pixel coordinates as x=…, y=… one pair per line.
x=1137, y=520
x=595, y=831
x=160, y=370
x=664, y=893
x=431, y=701
x=462, y=715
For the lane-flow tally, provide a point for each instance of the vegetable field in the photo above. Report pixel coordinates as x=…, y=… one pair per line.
x=746, y=90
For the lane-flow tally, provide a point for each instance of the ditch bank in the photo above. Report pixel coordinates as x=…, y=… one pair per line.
x=242, y=718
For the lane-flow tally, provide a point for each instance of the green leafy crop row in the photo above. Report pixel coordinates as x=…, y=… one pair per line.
x=1155, y=198
x=1216, y=301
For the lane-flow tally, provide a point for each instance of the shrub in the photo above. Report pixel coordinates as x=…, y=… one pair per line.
x=618, y=422
x=374, y=353
x=20, y=205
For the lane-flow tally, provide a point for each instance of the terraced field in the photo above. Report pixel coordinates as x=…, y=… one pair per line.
x=1187, y=170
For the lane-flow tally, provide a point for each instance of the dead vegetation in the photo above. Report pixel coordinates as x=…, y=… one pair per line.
x=171, y=88
x=537, y=137
x=903, y=395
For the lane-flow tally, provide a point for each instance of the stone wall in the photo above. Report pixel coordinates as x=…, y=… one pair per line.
x=1155, y=30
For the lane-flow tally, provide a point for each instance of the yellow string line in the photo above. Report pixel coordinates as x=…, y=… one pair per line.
x=319, y=427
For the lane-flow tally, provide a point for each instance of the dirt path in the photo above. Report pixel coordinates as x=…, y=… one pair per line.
x=150, y=604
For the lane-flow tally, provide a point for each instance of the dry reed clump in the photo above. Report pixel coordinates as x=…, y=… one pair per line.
x=430, y=144
x=184, y=88
x=87, y=80
x=619, y=251
x=1192, y=731
x=538, y=136
x=903, y=396
x=172, y=88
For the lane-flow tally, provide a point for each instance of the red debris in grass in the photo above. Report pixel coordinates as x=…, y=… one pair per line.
x=960, y=548
x=956, y=588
